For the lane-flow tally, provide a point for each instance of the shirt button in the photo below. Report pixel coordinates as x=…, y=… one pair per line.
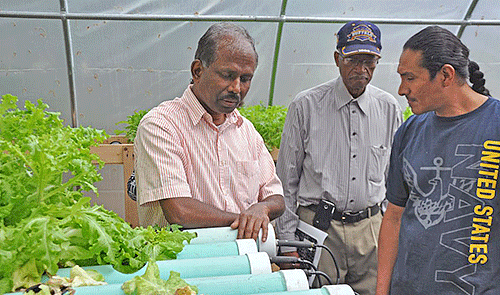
x=354, y=134
x=352, y=201
x=354, y=178
x=354, y=156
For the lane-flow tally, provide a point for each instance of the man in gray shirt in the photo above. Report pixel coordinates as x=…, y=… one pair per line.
x=335, y=147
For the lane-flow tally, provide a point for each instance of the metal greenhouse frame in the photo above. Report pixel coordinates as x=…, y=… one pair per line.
x=66, y=17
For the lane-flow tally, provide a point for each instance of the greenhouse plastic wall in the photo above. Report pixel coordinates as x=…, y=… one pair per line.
x=121, y=65
x=96, y=62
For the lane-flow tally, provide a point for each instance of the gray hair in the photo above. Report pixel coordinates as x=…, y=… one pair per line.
x=219, y=34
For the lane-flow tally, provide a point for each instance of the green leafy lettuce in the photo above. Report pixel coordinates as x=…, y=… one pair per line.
x=131, y=124
x=36, y=151
x=268, y=121
x=150, y=283
x=407, y=113
x=80, y=277
x=60, y=285
x=45, y=221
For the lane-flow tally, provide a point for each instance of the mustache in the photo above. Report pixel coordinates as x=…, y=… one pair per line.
x=357, y=77
x=232, y=96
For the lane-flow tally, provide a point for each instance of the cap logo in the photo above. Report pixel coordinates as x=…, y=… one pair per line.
x=362, y=33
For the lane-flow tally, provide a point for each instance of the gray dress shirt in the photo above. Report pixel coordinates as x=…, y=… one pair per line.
x=336, y=148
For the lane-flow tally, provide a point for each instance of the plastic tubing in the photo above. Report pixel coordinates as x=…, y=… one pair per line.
x=226, y=234
x=325, y=290
x=220, y=249
x=251, y=263
x=285, y=280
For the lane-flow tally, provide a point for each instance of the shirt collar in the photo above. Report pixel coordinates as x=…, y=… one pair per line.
x=343, y=97
x=197, y=112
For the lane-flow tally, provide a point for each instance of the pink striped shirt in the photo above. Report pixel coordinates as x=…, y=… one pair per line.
x=180, y=152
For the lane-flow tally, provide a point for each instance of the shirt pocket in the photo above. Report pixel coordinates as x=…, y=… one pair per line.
x=247, y=181
x=377, y=163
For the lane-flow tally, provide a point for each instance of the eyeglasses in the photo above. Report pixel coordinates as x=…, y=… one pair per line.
x=366, y=62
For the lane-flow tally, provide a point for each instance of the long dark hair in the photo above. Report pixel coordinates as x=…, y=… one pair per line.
x=439, y=47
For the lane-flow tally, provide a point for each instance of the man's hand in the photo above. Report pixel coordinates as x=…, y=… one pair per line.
x=250, y=221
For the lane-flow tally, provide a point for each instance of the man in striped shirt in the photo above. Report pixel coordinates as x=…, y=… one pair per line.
x=199, y=163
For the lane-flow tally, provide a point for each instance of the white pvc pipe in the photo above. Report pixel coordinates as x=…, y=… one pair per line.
x=259, y=263
x=338, y=289
x=295, y=279
x=246, y=246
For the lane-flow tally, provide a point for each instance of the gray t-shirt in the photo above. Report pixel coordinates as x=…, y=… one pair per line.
x=444, y=171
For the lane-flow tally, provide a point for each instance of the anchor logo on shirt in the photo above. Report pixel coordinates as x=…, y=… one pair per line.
x=430, y=207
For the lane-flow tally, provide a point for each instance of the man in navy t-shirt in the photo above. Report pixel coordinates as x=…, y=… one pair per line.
x=438, y=233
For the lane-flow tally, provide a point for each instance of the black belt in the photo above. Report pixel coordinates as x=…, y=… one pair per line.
x=351, y=217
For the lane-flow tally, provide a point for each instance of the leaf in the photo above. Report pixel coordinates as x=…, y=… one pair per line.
x=131, y=124
x=27, y=275
x=151, y=283
x=37, y=150
x=407, y=113
x=268, y=121
x=45, y=222
x=80, y=277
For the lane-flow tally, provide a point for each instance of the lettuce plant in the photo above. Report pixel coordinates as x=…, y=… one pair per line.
x=131, y=124
x=268, y=121
x=46, y=222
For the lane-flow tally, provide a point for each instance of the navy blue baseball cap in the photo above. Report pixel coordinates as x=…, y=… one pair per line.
x=359, y=37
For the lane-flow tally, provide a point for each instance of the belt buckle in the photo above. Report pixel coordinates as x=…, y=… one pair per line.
x=353, y=215
x=348, y=214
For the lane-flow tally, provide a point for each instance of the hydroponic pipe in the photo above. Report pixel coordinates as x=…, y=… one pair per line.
x=325, y=290
x=226, y=234
x=251, y=263
x=220, y=249
x=284, y=280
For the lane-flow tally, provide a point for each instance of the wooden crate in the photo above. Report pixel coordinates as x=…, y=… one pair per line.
x=118, y=150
